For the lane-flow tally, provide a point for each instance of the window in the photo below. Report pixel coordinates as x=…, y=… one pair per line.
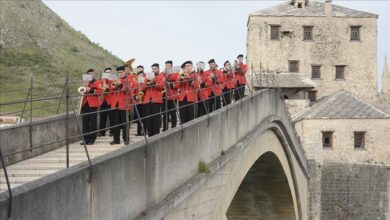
x=312, y=95
x=293, y=66
x=359, y=139
x=307, y=33
x=275, y=32
x=316, y=72
x=340, y=72
x=355, y=33
x=299, y=5
x=327, y=139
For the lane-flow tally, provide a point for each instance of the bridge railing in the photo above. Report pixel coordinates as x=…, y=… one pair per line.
x=66, y=101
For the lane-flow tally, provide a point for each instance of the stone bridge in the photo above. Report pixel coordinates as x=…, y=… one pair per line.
x=240, y=162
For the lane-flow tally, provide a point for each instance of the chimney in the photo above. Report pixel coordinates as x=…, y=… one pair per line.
x=328, y=8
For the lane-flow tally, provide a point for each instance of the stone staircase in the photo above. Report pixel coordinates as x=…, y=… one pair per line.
x=54, y=161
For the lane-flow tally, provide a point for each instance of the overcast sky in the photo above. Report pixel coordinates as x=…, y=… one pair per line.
x=155, y=31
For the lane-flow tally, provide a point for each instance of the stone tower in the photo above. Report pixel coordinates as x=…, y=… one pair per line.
x=333, y=45
x=385, y=78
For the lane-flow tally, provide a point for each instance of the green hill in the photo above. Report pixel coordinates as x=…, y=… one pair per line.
x=35, y=42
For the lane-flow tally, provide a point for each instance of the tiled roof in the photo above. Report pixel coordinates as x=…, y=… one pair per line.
x=341, y=104
x=283, y=80
x=312, y=9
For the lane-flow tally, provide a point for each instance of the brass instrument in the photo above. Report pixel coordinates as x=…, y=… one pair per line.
x=82, y=89
x=116, y=83
x=129, y=65
x=184, y=75
x=140, y=96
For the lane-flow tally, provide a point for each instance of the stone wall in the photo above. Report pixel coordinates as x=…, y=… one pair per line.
x=348, y=191
x=48, y=133
x=295, y=106
x=330, y=46
x=347, y=183
x=377, y=145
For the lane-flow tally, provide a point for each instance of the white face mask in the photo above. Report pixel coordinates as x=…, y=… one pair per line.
x=200, y=66
x=168, y=71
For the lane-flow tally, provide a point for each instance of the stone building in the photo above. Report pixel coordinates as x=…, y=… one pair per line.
x=322, y=57
x=343, y=127
x=383, y=100
x=295, y=88
x=385, y=78
x=347, y=147
x=335, y=46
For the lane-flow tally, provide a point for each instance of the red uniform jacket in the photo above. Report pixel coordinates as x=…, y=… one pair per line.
x=205, y=85
x=217, y=85
x=189, y=88
x=92, y=95
x=173, y=83
x=229, y=79
x=153, y=92
x=108, y=95
x=141, y=88
x=240, y=74
x=120, y=97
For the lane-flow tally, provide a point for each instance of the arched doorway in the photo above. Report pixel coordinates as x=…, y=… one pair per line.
x=264, y=193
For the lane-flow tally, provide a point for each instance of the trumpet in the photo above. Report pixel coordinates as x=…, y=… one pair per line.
x=184, y=75
x=82, y=90
x=140, y=96
x=115, y=83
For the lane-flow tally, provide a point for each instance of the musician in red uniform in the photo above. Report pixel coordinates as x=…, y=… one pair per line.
x=204, y=90
x=125, y=87
x=153, y=100
x=171, y=95
x=216, y=78
x=240, y=77
x=105, y=105
x=189, y=85
x=139, y=111
x=89, y=106
x=228, y=84
x=140, y=68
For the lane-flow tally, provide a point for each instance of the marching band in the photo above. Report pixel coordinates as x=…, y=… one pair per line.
x=154, y=99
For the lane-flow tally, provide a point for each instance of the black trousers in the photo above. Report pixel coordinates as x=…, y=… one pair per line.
x=242, y=90
x=89, y=123
x=153, y=117
x=214, y=102
x=170, y=115
x=139, y=113
x=103, y=118
x=187, y=111
x=203, y=107
x=120, y=119
x=227, y=96
x=237, y=92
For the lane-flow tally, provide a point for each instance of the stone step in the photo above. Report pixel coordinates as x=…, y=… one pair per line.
x=3, y=187
x=54, y=161
x=20, y=180
x=21, y=173
x=41, y=166
x=57, y=160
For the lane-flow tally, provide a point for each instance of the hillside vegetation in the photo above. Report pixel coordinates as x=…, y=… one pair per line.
x=36, y=43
